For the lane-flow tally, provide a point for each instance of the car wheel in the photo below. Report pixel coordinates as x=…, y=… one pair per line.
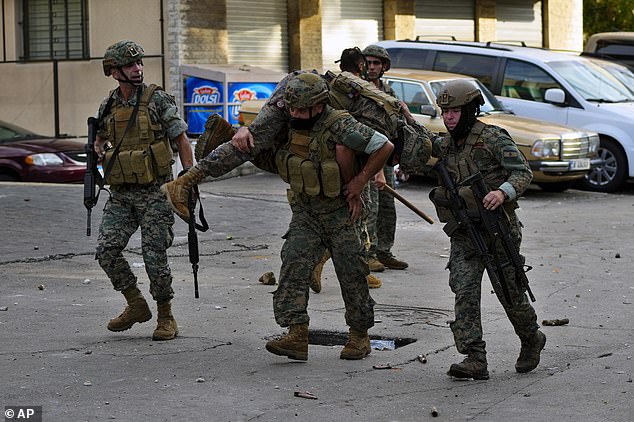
x=555, y=186
x=610, y=176
x=8, y=177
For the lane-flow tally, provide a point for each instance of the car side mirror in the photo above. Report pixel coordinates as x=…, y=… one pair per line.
x=428, y=110
x=555, y=96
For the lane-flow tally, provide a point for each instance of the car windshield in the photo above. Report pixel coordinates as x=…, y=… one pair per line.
x=593, y=82
x=622, y=73
x=9, y=132
x=491, y=104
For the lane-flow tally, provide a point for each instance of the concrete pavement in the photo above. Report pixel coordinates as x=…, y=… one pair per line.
x=56, y=352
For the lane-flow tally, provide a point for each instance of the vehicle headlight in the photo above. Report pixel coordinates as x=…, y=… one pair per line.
x=44, y=159
x=546, y=148
x=593, y=143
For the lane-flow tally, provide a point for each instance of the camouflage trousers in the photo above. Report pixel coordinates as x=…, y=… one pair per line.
x=128, y=208
x=318, y=223
x=465, y=279
x=381, y=220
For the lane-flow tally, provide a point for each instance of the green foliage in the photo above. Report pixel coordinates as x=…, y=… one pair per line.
x=607, y=16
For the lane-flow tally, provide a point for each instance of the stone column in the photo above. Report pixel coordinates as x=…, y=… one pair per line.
x=399, y=19
x=304, y=34
x=485, y=20
x=563, y=24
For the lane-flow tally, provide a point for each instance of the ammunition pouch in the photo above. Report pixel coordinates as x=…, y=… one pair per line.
x=140, y=167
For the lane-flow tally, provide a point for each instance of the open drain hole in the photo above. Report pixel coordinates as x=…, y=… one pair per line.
x=334, y=338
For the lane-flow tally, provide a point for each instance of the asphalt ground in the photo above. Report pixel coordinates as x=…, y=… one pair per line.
x=55, y=303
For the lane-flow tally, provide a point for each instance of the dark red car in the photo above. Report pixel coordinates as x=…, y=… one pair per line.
x=28, y=157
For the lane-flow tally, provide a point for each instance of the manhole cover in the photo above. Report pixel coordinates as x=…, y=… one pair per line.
x=335, y=338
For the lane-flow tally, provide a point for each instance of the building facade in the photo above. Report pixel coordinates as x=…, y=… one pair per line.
x=50, y=65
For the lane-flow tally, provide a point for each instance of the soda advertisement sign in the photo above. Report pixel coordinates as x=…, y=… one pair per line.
x=205, y=97
x=239, y=92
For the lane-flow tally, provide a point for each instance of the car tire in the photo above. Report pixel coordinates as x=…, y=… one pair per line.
x=610, y=176
x=555, y=186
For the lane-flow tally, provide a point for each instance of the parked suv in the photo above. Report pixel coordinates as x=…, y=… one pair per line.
x=614, y=46
x=549, y=86
x=557, y=155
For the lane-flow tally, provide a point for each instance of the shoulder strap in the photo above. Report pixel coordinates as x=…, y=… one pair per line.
x=147, y=94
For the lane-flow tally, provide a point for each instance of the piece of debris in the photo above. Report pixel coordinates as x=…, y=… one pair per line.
x=229, y=237
x=87, y=383
x=422, y=358
x=86, y=281
x=200, y=379
x=605, y=355
x=618, y=255
x=4, y=308
x=434, y=411
x=268, y=279
x=305, y=395
x=554, y=322
x=41, y=287
x=383, y=366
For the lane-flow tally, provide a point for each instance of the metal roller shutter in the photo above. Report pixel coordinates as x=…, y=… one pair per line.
x=520, y=20
x=258, y=33
x=450, y=18
x=349, y=23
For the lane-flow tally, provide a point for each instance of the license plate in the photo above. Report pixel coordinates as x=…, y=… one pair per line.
x=580, y=164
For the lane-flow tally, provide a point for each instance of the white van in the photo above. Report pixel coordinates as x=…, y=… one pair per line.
x=551, y=86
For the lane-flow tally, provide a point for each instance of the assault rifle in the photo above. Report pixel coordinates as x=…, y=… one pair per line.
x=92, y=177
x=460, y=212
x=496, y=224
x=192, y=236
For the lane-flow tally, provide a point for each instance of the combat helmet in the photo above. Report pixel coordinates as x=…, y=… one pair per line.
x=381, y=53
x=120, y=54
x=305, y=90
x=457, y=93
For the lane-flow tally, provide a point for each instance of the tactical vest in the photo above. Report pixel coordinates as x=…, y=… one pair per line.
x=144, y=153
x=461, y=165
x=345, y=87
x=308, y=163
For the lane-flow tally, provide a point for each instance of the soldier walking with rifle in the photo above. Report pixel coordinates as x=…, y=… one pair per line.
x=482, y=173
x=137, y=128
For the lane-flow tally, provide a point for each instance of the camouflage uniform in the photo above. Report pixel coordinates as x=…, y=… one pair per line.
x=495, y=155
x=319, y=222
x=381, y=220
x=270, y=126
x=131, y=206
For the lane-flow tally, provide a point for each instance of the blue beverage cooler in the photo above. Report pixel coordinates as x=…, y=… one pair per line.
x=217, y=88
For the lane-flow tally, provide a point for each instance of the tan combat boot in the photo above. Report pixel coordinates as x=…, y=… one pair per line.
x=358, y=345
x=375, y=265
x=530, y=353
x=315, y=279
x=470, y=368
x=294, y=345
x=177, y=191
x=373, y=281
x=217, y=132
x=136, y=311
x=166, y=329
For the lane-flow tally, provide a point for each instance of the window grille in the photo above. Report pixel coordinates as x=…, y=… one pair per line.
x=55, y=29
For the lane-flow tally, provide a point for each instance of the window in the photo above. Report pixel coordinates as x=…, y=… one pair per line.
x=526, y=81
x=475, y=65
x=54, y=29
x=412, y=93
x=407, y=57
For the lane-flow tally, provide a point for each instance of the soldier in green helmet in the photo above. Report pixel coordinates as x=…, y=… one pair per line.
x=469, y=147
x=323, y=213
x=138, y=129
